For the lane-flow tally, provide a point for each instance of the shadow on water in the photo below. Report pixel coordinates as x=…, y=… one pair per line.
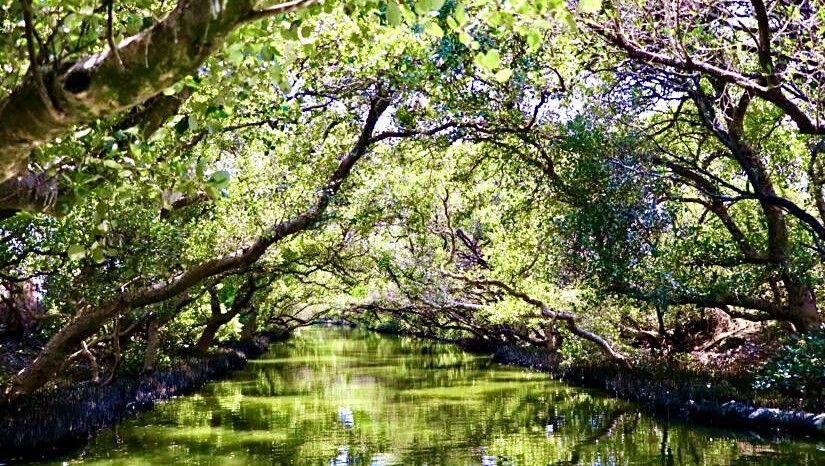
x=55, y=420
x=344, y=397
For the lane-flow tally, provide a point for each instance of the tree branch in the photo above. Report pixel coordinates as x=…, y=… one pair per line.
x=90, y=318
x=114, y=80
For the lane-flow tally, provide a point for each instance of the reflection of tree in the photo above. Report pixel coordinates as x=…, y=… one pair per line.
x=665, y=451
x=285, y=410
x=599, y=434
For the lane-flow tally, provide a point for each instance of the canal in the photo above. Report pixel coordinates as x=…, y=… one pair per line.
x=333, y=396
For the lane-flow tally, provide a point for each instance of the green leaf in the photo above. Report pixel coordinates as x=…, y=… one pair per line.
x=220, y=178
x=423, y=7
x=289, y=34
x=283, y=85
x=76, y=252
x=452, y=23
x=135, y=148
x=503, y=75
x=235, y=54
x=82, y=133
x=133, y=130
x=590, y=6
x=534, y=40
x=432, y=28
x=191, y=82
x=393, y=14
x=494, y=20
x=112, y=164
x=460, y=14
x=103, y=227
x=213, y=191
x=159, y=135
x=98, y=256
x=488, y=61
x=492, y=59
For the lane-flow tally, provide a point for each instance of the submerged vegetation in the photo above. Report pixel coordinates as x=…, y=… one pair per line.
x=630, y=185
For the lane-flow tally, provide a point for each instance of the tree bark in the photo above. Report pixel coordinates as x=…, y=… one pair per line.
x=106, y=83
x=150, y=357
x=801, y=308
x=219, y=319
x=156, y=323
x=208, y=335
x=38, y=192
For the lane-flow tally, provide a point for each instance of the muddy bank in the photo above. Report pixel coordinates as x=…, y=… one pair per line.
x=689, y=401
x=52, y=421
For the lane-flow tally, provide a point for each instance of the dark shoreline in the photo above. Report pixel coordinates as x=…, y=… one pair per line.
x=694, y=403
x=55, y=421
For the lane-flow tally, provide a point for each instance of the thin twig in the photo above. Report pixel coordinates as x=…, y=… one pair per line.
x=109, y=35
x=31, y=36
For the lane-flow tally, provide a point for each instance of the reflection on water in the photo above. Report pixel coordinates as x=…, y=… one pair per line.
x=343, y=397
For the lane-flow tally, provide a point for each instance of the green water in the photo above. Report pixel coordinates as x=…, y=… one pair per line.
x=334, y=397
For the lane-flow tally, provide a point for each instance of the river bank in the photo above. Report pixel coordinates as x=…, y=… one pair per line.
x=688, y=399
x=52, y=421
x=692, y=401
x=61, y=419
x=349, y=396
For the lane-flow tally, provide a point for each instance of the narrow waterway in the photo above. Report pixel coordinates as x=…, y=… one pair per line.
x=335, y=396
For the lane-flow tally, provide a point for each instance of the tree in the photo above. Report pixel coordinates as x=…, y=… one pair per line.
x=335, y=113
x=730, y=77
x=60, y=91
x=529, y=182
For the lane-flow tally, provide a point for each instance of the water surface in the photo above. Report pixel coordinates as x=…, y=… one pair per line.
x=335, y=396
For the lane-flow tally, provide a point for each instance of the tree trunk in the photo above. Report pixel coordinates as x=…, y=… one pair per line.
x=803, y=311
x=105, y=83
x=150, y=358
x=208, y=335
x=801, y=308
x=250, y=327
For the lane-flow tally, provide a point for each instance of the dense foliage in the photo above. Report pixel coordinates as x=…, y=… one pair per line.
x=644, y=179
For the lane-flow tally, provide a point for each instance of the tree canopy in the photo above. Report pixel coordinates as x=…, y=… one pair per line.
x=637, y=178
